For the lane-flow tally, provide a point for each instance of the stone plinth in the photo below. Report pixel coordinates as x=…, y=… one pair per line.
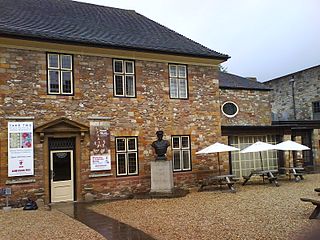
x=161, y=177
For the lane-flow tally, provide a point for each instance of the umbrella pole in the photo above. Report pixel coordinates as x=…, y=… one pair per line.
x=261, y=161
x=290, y=159
x=219, y=164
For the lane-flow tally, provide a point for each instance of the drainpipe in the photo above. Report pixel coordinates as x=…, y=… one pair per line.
x=293, y=98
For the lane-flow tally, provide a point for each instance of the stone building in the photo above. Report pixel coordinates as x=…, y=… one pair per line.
x=246, y=119
x=295, y=100
x=84, y=88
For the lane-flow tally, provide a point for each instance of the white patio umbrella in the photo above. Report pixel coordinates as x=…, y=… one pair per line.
x=290, y=146
x=258, y=147
x=217, y=148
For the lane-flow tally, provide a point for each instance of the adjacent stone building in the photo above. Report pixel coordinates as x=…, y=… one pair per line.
x=296, y=96
x=246, y=119
x=295, y=100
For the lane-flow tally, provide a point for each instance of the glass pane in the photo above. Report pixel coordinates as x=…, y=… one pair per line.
x=176, y=160
x=183, y=88
x=186, y=159
x=53, y=60
x=182, y=71
x=54, y=81
x=66, y=61
x=131, y=144
x=173, y=71
x=129, y=67
x=66, y=82
x=61, y=166
x=121, y=144
x=118, y=66
x=185, y=142
x=132, y=162
x=173, y=88
x=121, y=157
x=119, y=85
x=176, y=142
x=130, y=86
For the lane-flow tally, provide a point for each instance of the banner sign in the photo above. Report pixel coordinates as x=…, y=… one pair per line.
x=100, y=155
x=20, y=149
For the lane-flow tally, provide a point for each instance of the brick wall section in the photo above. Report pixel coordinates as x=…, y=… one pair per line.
x=254, y=107
x=23, y=93
x=307, y=90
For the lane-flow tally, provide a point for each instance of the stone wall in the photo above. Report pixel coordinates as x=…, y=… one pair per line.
x=254, y=107
x=306, y=90
x=23, y=93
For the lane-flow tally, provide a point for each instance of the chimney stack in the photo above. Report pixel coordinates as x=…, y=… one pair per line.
x=252, y=78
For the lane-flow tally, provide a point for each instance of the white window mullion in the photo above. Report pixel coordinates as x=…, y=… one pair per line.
x=60, y=83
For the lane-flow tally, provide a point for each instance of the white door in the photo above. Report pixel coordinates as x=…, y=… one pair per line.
x=61, y=168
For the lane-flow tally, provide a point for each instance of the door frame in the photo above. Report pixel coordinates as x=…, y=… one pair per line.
x=72, y=169
x=61, y=128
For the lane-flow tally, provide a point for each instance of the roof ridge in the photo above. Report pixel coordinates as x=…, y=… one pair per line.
x=292, y=73
x=98, y=5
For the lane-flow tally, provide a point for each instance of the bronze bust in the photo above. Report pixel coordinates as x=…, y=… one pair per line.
x=160, y=146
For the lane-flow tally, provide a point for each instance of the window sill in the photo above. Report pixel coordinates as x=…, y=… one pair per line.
x=19, y=181
x=97, y=175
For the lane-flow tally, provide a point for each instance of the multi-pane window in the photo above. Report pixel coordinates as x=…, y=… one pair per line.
x=124, y=78
x=60, y=77
x=178, y=81
x=244, y=163
x=316, y=107
x=181, y=153
x=127, y=156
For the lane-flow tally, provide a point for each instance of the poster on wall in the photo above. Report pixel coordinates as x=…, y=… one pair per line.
x=20, y=149
x=100, y=155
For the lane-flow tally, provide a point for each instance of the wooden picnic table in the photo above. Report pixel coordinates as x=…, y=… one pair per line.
x=297, y=172
x=263, y=173
x=228, y=180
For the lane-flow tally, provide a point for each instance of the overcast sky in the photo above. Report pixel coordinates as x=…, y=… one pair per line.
x=265, y=38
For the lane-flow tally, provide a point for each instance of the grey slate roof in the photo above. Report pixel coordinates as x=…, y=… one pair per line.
x=290, y=75
x=83, y=23
x=227, y=80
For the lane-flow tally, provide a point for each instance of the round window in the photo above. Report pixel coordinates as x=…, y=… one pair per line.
x=230, y=109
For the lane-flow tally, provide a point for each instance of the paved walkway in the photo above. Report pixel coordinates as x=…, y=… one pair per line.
x=110, y=228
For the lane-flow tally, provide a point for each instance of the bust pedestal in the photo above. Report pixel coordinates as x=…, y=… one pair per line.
x=161, y=176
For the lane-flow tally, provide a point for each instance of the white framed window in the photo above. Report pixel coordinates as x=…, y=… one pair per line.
x=60, y=74
x=229, y=109
x=243, y=163
x=181, y=153
x=178, y=81
x=124, y=78
x=127, y=156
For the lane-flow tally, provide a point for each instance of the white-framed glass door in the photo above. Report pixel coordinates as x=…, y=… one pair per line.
x=61, y=179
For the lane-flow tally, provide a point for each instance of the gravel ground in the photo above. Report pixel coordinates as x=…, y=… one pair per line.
x=41, y=224
x=255, y=212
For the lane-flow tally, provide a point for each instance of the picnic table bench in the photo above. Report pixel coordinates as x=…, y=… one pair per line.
x=263, y=173
x=297, y=172
x=317, y=190
x=220, y=180
x=315, y=202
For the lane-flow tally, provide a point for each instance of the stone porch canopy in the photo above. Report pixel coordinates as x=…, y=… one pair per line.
x=61, y=125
